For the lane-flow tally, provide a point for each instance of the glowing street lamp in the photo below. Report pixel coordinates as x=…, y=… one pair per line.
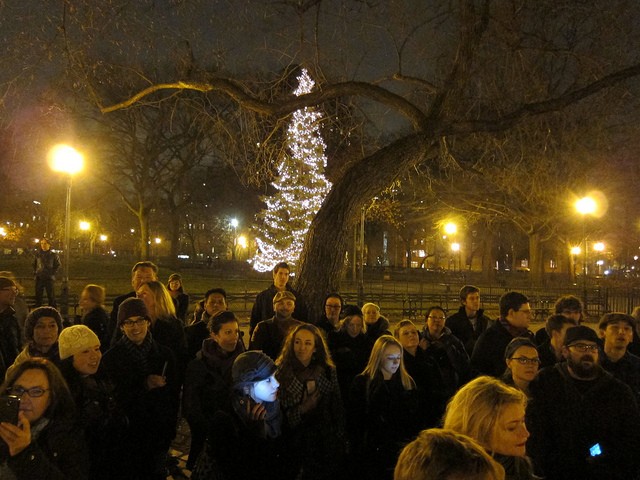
x=585, y=206
x=85, y=226
x=67, y=160
x=450, y=228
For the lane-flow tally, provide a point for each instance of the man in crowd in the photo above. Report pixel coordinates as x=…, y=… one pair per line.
x=215, y=301
x=468, y=323
x=488, y=353
x=567, y=305
x=333, y=304
x=616, y=330
x=141, y=273
x=45, y=265
x=583, y=422
x=263, y=306
x=270, y=334
x=10, y=337
x=550, y=351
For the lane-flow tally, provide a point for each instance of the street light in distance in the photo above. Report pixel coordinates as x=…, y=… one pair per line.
x=67, y=160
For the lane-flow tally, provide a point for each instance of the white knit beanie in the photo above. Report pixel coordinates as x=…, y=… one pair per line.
x=76, y=339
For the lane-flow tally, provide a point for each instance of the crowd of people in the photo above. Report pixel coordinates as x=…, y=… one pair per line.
x=347, y=396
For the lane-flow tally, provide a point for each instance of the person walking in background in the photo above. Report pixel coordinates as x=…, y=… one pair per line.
x=45, y=265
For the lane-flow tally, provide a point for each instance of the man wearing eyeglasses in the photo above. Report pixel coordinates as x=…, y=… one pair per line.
x=616, y=330
x=10, y=337
x=584, y=423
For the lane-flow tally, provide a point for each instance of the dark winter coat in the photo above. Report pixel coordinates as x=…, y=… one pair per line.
x=627, y=370
x=104, y=424
x=350, y=356
x=10, y=340
x=58, y=453
x=381, y=419
x=376, y=330
x=97, y=320
x=45, y=264
x=462, y=328
x=263, y=307
x=488, y=354
x=269, y=336
x=567, y=416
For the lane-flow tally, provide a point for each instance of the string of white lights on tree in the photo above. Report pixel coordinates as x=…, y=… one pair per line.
x=300, y=188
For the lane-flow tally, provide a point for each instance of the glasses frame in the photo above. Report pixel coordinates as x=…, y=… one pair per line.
x=131, y=323
x=526, y=360
x=33, y=392
x=583, y=347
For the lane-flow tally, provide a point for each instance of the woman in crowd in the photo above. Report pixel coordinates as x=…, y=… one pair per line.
x=383, y=411
x=248, y=433
x=180, y=299
x=208, y=379
x=523, y=363
x=103, y=424
x=41, y=330
x=45, y=443
x=94, y=314
x=311, y=403
x=422, y=369
x=446, y=455
x=376, y=325
x=493, y=414
x=146, y=389
x=166, y=329
x=350, y=348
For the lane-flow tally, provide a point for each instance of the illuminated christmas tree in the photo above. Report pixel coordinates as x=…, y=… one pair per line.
x=300, y=188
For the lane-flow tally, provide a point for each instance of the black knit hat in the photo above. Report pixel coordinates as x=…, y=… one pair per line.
x=249, y=367
x=575, y=334
x=132, y=307
x=349, y=310
x=515, y=344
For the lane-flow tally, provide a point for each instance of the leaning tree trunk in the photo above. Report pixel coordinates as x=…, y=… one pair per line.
x=323, y=256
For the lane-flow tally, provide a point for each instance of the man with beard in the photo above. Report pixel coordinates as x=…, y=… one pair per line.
x=616, y=330
x=270, y=334
x=583, y=422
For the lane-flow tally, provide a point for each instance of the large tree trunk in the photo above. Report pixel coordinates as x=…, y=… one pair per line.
x=536, y=258
x=322, y=259
x=143, y=220
x=488, y=259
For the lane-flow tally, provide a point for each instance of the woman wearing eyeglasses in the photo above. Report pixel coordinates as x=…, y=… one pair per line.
x=45, y=443
x=523, y=363
x=146, y=389
x=383, y=411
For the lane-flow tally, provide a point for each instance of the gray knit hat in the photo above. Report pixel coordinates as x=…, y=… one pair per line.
x=252, y=366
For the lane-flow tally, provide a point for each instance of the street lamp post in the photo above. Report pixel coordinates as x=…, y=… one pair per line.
x=575, y=251
x=66, y=159
x=585, y=206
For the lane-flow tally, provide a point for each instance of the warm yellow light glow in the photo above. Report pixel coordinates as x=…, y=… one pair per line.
x=158, y=240
x=242, y=241
x=586, y=206
x=84, y=226
x=455, y=247
x=598, y=247
x=103, y=238
x=450, y=228
x=576, y=250
x=3, y=232
x=65, y=159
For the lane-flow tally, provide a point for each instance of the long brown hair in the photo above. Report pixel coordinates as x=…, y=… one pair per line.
x=321, y=356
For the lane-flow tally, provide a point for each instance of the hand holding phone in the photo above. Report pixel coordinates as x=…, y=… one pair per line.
x=311, y=386
x=9, y=407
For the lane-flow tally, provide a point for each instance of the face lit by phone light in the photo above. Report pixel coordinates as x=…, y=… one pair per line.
x=33, y=408
x=265, y=390
x=87, y=361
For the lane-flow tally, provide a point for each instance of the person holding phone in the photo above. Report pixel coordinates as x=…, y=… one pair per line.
x=311, y=403
x=146, y=389
x=244, y=439
x=46, y=442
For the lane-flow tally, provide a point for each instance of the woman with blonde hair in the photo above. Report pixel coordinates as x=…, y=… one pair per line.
x=382, y=412
x=375, y=324
x=446, y=455
x=165, y=327
x=310, y=400
x=493, y=414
